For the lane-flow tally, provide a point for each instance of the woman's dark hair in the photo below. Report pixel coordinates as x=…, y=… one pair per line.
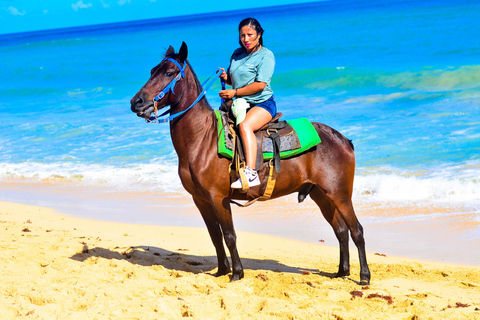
x=252, y=22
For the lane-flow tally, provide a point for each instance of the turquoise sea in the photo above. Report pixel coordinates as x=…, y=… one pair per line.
x=400, y=78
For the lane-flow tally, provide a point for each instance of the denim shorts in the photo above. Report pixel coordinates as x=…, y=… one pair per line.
x=268, y=105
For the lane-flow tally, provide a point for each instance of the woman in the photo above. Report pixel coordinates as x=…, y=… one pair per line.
x=250, y=71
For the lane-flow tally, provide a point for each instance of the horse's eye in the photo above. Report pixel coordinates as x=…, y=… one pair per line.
x=169, y=74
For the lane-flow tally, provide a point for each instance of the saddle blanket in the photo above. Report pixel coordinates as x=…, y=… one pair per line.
x=302, y=138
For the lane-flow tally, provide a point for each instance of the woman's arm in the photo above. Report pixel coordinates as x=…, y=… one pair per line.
x=245, y=91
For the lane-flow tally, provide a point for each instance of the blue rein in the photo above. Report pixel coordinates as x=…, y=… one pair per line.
x=171, y=86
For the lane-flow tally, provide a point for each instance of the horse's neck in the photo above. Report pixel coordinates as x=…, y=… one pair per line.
x=194, y=129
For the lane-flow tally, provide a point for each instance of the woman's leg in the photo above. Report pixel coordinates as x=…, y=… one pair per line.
x=254, y=120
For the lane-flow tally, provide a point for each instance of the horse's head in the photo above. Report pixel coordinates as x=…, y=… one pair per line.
x=161, y=85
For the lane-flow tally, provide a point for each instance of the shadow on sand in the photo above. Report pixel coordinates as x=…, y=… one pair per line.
x=182, y=261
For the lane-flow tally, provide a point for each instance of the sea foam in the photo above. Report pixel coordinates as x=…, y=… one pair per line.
x=455, y=184
x=153, y=176
x=443, y=183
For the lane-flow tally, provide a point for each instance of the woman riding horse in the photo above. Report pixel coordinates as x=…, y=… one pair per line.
x=325, y=172
x=250, y=71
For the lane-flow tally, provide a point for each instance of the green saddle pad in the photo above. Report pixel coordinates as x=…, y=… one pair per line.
x=306, y=133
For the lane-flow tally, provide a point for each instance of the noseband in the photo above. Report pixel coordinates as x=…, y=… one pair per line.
x=171, y=86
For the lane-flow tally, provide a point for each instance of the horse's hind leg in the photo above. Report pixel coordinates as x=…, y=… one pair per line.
x=210, y=218
x=339, y=227
x=344, y=206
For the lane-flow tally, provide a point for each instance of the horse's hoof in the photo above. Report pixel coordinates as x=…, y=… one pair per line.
x=236, y=277
x=222, y=272
x=364, y=282
x=342, y=274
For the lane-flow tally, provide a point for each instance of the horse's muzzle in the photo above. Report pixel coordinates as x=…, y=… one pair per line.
x=143, y=108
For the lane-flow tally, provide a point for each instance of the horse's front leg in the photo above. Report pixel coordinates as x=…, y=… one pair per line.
x=224, y=217
x=209, y=215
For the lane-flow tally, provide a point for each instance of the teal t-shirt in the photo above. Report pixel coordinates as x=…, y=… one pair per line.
x=247, y=68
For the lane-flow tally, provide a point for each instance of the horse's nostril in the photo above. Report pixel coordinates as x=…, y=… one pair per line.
x=139, y=101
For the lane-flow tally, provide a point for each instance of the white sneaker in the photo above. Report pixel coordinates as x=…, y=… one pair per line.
x=252, y=179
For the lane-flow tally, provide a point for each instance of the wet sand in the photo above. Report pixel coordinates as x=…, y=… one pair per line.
x=56, y=266
x=442, y=233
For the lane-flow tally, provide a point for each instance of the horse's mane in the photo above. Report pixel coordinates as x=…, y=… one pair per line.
x=199, y=85
x=197, y=82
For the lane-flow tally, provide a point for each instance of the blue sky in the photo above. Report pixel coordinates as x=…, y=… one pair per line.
x=32, y=15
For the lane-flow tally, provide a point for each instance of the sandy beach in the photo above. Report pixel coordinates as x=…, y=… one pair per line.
x=56, y=266
x=96, y=223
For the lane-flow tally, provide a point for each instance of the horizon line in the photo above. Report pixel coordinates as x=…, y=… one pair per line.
x=110, y=25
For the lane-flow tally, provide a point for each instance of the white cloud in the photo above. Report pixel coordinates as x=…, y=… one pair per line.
x=105, y=4
x=15, y=11
x=122, y=2
x=80, y=5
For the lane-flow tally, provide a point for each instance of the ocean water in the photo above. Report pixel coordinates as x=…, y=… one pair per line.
x=399, y=78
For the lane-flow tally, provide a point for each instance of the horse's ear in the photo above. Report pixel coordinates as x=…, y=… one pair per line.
x=183, y=52
x=170, y=52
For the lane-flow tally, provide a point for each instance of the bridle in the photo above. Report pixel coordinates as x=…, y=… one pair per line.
x=172, y=83
x=171, y=87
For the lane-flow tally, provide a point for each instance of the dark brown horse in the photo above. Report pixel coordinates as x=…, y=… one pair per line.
x=325, y=172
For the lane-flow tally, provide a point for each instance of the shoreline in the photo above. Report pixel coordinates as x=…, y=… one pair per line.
x=56, y=265
x=429, y=233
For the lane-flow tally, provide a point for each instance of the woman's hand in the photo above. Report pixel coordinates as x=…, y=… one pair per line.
x=224, y=75
x=227, y=94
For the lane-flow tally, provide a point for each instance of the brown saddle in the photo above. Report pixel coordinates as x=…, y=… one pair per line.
x=268, y=137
